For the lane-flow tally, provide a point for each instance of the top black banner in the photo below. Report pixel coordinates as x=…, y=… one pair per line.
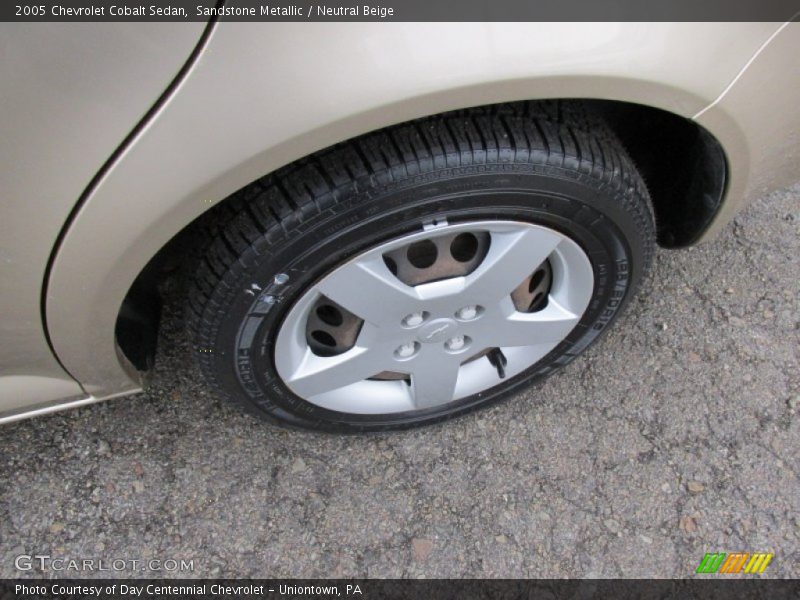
x=399, y=10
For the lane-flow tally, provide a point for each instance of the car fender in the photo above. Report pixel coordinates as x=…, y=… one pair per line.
x=263, y=95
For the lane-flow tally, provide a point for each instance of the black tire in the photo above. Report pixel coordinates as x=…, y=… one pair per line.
x=547, y=163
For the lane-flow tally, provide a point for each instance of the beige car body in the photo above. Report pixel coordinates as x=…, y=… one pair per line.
x=116, y=136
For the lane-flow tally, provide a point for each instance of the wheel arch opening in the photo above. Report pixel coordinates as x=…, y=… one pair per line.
x=683, y=165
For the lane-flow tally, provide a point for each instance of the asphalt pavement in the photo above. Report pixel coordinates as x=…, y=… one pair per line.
x=676, y=435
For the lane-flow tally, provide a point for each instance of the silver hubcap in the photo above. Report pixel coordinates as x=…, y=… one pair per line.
x=433, y=317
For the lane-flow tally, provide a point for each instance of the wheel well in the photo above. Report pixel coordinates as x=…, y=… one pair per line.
x=683, y=166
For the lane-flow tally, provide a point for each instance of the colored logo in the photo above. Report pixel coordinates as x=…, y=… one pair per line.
x=736, y=562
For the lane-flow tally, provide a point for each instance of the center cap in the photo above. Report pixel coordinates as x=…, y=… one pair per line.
x=437, y=330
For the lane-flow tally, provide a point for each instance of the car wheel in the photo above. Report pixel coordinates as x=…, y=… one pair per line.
x=420, y=272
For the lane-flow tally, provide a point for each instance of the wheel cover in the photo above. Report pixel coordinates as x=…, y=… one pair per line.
x=369, y=338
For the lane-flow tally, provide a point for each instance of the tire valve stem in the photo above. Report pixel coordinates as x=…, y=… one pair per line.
x=499, y=361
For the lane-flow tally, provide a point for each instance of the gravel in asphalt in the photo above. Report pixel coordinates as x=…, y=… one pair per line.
x=676, y=435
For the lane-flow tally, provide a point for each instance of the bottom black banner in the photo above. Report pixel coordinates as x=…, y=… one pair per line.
x=433, y=589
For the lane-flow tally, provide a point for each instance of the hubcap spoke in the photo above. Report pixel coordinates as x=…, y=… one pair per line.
x=433, y=379
x=548, y=326
x=512, y=256
x=317, y=374
x=369, y=290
